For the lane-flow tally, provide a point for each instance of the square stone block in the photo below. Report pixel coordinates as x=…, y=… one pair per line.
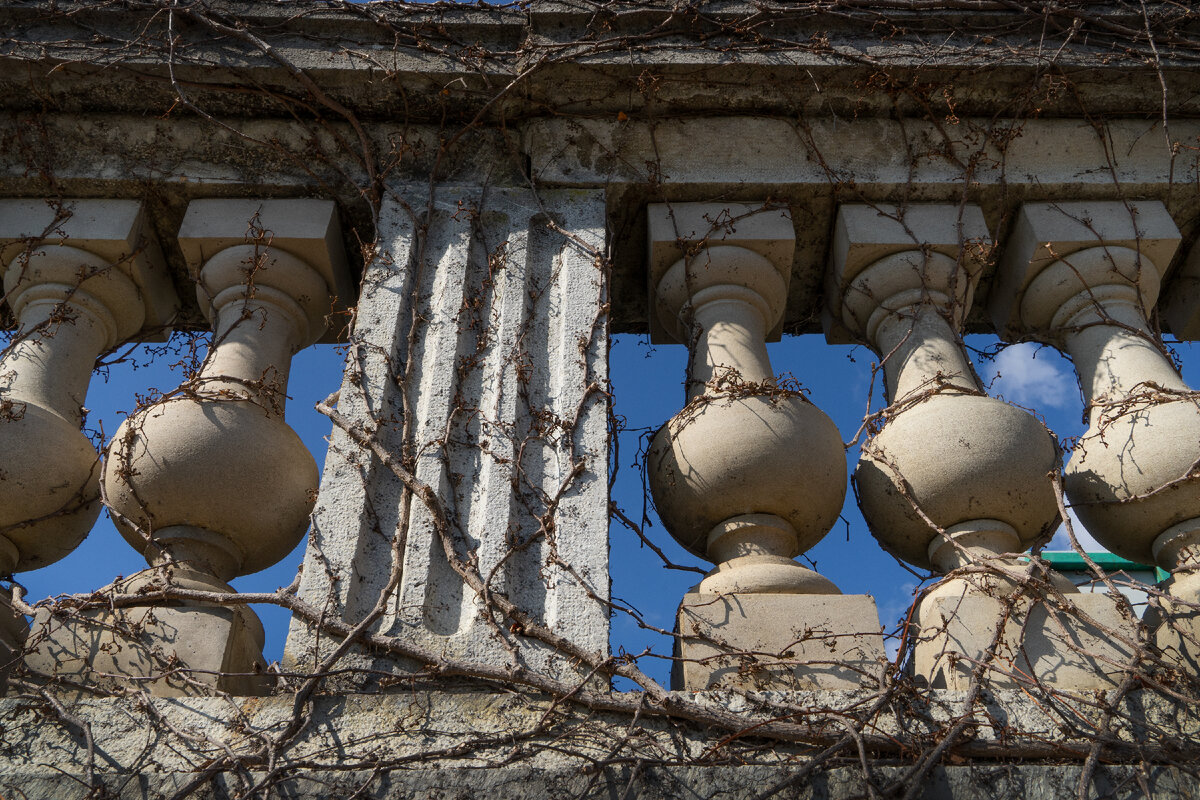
x=306, y=228
x=778, y=641
x=1046, y=232
x=863, y=234
x=12, y=637
x=171, y=651
x=763, y=229
x=115, y=230
x=1055, y=646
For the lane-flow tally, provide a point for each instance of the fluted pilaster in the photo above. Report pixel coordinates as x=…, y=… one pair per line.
x=478, y=351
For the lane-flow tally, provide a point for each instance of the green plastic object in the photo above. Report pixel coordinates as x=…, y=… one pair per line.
x=1070, y=560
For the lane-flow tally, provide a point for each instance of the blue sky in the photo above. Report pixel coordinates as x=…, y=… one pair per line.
x=648, y=389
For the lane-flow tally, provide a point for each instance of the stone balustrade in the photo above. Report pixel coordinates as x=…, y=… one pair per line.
x=208, y=483
x=1085, y=277
x=79, y=279
x=494, y=196
x=955, y=480
x=748, y=475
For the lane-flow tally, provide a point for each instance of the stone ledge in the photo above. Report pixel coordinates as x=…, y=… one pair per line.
x=594, y=57
x=472, y=728
x=1028, y=781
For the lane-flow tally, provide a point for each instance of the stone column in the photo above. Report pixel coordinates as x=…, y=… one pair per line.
x=749, y=474
x=954, y=480
x=210, y=483
x=71, y=303
x=1083, y=277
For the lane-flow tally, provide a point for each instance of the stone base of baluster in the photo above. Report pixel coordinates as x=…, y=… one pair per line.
x=1174, y=630
x=13, y=629
x=1076, y=646
x=170, y=649
x=777, y=641
x=1173, y=622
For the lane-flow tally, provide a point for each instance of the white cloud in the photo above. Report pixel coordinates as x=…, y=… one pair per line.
x=1035, y=377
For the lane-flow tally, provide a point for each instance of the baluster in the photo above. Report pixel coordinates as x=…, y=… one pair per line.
x=954, y=480
x=71, y=303
x=1083, y=277
x=749, y=474
x=210, y=483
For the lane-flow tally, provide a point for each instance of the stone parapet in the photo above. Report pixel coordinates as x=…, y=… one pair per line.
x=822, y=58
x=382, y=746
x=507, y=186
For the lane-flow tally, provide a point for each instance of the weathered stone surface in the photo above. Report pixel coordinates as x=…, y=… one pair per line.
x=1032, y=286
x=169, y=651
x=13, y=628
x=699, y=61
x=947, y=456
x=495, y=322
x=374, y=745
x=1058, y=154
x=748, y=474
x=212, y=475
x=117, y=231
x=778, y=641
x=999, y=780
x=1081, y=646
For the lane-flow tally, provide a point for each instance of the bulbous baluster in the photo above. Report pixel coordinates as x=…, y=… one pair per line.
x=954, y=479
x=948, y=457
x=210, y=483
x=727, y=472
x=71, y=303
x=223, y=434
x=70, y=306
x=750, y=474
x=1083, y=277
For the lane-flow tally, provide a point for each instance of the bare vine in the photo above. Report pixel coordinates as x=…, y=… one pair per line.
x=448, y=96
